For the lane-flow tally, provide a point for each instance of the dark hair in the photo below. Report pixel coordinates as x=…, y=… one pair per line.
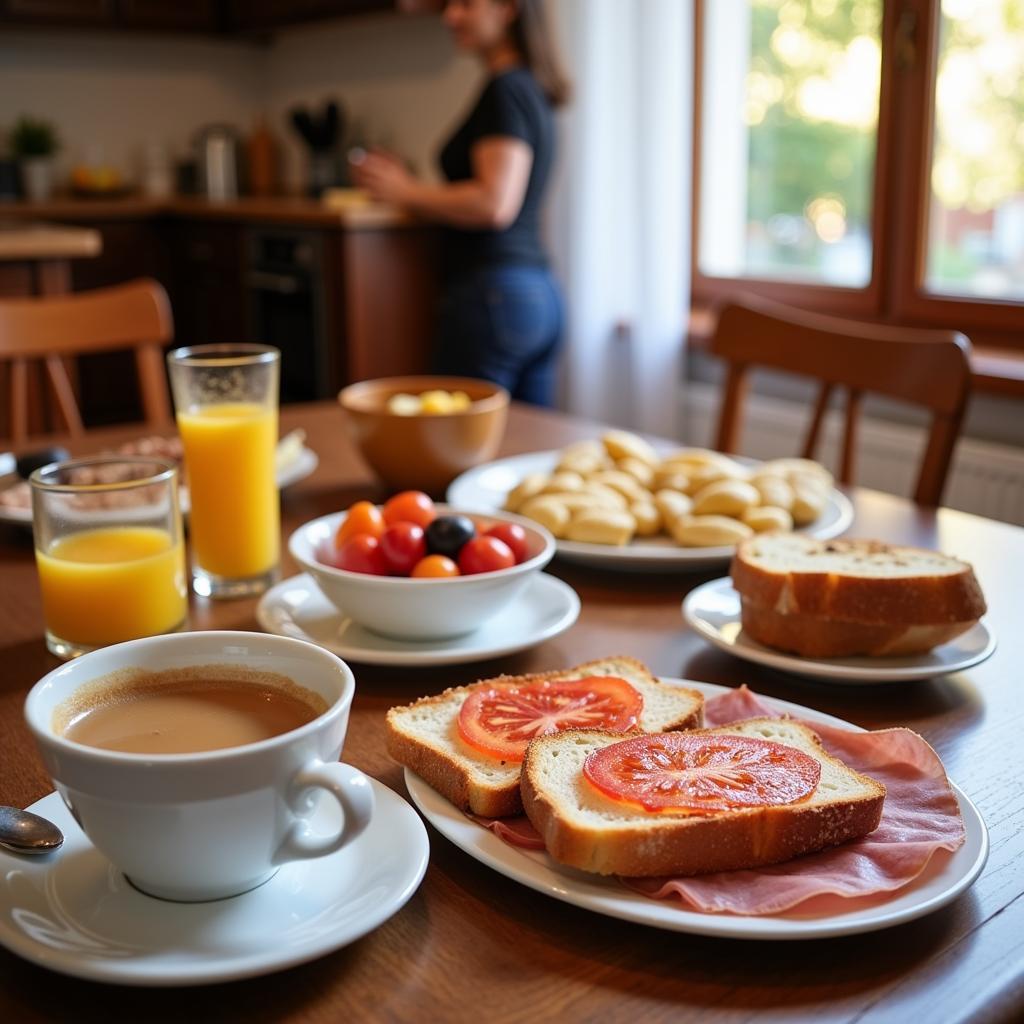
x=531, y=33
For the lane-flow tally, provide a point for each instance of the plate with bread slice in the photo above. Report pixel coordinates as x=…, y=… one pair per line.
x=293, y=461
x=849, y=611
x=777, y=822
x=619, y=503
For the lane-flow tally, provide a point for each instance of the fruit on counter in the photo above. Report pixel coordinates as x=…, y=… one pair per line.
x=612, y=490
x=406, y=537
x=102, y=178
x=429, y=403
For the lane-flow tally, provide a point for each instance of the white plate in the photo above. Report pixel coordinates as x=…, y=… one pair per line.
x=297, y=608
x=713, y=610
x=536, y=869
x=75, y=913
x=484, y=488
x=297, y=469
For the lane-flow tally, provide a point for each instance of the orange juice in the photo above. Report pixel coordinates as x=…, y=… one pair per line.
x=104, y=586
x=234, y=520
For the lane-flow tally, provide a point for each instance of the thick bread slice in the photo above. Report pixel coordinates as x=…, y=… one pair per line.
x=857, y=581
x=812, y=636
x=424, y=736
x=585, y=829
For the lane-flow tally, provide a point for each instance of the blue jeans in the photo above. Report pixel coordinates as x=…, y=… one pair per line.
x=503, y=324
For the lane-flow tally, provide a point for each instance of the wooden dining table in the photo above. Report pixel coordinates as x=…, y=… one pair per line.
x=472, y=944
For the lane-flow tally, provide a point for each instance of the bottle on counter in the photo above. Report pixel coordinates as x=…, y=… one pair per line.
x=262, y=159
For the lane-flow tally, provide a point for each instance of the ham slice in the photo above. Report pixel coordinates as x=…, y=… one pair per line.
x=920, y=820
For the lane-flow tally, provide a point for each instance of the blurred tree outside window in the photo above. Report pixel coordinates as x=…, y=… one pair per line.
x=976, y=212
x=789, y=120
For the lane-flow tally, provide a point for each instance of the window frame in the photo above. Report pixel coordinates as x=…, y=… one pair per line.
x=895, y=292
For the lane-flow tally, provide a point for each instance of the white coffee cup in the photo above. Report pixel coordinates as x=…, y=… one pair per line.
x=202, y=826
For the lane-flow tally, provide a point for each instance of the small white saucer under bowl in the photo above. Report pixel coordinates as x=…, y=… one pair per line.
x=297, y=608
x=73, y=912
x=713, y=610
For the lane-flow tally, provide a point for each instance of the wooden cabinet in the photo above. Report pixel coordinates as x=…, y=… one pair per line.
x=213, y=16
x=98, y=13
x=172, y=15
x=207, y=291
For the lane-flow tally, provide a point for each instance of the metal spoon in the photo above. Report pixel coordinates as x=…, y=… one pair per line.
x=25, y=832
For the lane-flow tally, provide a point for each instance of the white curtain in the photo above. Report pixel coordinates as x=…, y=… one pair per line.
x=621, y=208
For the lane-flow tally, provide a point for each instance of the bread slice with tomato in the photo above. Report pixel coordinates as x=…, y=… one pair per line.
x=756, y=792
x=468, y=742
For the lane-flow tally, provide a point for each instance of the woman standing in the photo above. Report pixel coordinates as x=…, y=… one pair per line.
x=501, y=310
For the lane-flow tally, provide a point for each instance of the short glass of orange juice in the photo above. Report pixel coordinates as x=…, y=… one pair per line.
x=225, y=399
x=109, y=551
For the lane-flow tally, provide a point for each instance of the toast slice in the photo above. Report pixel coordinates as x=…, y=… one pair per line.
x=585, y=829
x=424, y=735
x=841, y=598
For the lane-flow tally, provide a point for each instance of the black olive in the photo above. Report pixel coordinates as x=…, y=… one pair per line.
x=447, y=535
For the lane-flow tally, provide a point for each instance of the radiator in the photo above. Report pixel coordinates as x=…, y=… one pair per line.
x=987, y=479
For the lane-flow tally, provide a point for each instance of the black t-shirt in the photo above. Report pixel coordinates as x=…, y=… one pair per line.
x=511, y=104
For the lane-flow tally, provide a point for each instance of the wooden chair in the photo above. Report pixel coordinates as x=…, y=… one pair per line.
x=923, y=367
x=136, y=315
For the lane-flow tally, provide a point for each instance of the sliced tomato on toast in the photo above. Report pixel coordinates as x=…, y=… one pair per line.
x=701, y=772
x=501, y=720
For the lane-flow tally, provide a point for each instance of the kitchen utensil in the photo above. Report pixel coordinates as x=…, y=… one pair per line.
x=25, y=832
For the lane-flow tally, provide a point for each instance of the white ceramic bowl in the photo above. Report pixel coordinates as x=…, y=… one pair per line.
x=421, y=609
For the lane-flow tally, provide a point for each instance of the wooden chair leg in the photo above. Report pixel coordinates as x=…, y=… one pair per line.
x=820, y=408
x=853, y=403
x=732, y=405
x=65, y=395
x=19, y=399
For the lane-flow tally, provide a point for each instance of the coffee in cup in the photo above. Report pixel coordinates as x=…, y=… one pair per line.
x=208, y=821
x=185, y=710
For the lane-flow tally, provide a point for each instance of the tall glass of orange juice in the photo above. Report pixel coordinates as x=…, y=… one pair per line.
x=225, y=397
x=109, y=551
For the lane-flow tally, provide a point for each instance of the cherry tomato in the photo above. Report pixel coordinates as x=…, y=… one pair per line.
x=513, y=535
x=363, y=517
x=402, y=546
x=485, y=554
x=362, y=553
x=501, y=720
x=435, y=566
x=410, y=507
x=447, y=534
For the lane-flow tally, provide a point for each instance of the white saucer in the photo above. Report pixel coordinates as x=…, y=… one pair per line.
x=484, y=489
x=297, y=608
x=535, y=869
x=713, y=610
x=73, y=911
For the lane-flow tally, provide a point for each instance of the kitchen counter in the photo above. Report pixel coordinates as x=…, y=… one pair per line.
x=21, y=241
x=346, y=209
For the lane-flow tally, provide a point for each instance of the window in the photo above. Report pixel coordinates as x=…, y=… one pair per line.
x=976, y=207
x=864, y=157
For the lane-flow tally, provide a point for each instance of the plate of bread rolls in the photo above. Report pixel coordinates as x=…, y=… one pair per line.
x=617, y=502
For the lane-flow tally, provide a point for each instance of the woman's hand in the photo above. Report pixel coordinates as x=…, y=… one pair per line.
x=384, y=176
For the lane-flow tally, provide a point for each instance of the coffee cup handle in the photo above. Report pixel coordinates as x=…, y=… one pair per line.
x=349, y=787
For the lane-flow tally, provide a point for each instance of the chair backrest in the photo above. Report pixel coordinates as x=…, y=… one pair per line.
x=923, y=367
x=135, y=316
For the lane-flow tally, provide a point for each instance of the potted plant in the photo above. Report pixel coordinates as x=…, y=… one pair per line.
x=34, y=142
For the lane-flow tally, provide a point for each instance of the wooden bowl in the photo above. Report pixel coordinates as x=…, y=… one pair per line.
x=424, y=452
